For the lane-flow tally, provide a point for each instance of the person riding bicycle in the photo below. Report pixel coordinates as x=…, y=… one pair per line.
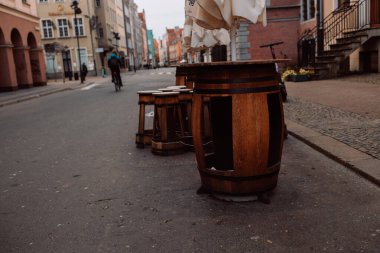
x=114, y=65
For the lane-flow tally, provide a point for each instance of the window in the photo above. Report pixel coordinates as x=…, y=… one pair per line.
x=308, y=9
x=63, y=28
x=47, y=29
x=43, y=1
x=342, y=3
x=97, y=3
x=59, y=0
x=101, y=32
x=268, y=3
x=78, y=26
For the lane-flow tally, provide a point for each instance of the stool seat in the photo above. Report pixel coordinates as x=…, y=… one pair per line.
x=177, y=87
x=166, y=89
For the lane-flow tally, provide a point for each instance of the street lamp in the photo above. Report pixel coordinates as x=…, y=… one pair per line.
x=77, y=10
x=117, y=38
x=93, y=23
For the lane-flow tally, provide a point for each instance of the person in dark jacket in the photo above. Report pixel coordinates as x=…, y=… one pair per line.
x=114, y=63
x=84, y=72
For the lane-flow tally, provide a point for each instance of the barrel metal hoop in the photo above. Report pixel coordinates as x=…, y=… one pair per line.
x=238, y=90
x=241, y=178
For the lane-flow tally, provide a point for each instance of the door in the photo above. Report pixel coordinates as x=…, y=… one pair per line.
x=375, y=13
x=66, y=58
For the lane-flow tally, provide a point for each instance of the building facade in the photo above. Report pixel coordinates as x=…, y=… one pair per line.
x=144, y=34
x=174, y=44
x=163, y=51
x=151, y=49
x=21, y=52
x=347, y=38
x=283, y=21
x=68, y=38
x=136, y=53
x=121, y=42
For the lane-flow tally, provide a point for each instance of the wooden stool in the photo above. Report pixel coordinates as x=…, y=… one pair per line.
x=185, y=100
x=165, y=140
x=144, y=136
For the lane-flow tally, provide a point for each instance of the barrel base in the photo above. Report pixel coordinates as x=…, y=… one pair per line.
x=253, y=185
x=167, y=148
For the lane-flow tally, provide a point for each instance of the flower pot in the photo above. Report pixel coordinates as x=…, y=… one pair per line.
x=298, y=78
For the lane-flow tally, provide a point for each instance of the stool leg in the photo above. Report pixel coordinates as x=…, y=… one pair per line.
x=188, y=113
x=142, y=119
x=156, y=122
x=180, y=119
x=163, y=124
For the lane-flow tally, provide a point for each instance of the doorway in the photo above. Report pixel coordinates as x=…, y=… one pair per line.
x=67, y=68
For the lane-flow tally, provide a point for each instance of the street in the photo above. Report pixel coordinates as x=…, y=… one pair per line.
x=72, y=180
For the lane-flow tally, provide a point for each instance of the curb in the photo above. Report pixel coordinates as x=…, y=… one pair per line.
x=42, y=94
x=362, y=164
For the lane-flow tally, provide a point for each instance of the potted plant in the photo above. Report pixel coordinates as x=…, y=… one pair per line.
x=300, y=75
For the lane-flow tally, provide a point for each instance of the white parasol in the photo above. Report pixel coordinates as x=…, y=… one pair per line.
x=196, y=35
x=230, y=11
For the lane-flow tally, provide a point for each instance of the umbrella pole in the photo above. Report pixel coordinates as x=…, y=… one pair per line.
x=233, y=42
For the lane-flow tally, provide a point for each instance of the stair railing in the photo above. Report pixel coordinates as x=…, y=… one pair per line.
x=350, y=17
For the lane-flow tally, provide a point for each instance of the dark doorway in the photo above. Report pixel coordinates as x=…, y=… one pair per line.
x=375, y=13
x=67, y=68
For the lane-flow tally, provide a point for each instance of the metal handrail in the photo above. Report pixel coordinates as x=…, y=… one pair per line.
x=344, y=19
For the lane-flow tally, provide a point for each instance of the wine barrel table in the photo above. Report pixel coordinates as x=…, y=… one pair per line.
x=183, y=74
x=143, y=135
x=165, y=140
x=180, y=76
x=246, y=121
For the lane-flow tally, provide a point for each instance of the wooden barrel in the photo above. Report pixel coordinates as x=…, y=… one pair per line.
x=246, y=121
x=180, y=76
x=184, y=72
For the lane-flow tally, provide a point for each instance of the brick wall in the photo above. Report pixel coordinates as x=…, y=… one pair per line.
x=283, y=25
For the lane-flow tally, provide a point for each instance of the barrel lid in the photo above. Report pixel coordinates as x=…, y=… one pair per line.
x=183, y=90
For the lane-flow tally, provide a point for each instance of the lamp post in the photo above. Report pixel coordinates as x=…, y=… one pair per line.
x=77, y=10
x=117, y=38
x=92, y=23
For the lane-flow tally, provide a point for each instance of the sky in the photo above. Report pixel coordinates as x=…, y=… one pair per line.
x=161, y=14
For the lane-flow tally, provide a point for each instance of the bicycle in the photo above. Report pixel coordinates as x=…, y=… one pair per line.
x=116, y=81
x=281, y=83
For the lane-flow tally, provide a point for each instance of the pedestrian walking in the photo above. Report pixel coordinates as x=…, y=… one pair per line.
x=84, y=72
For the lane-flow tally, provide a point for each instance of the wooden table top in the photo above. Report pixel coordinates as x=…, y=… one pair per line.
x=230, y=63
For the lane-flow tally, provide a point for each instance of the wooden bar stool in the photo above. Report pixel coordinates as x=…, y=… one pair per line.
x=144, y=136
x=185, y=100
x=165, y=140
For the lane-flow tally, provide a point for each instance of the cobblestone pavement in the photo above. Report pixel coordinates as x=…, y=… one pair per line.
x=357, y=131
x=373, y=78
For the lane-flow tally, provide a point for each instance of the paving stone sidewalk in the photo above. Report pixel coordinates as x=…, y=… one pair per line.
x=340, y=118
x=357, y=131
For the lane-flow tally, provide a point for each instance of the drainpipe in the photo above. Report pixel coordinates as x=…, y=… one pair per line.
x=320, y=31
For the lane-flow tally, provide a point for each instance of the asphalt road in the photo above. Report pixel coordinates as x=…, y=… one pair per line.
x=72, y=180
